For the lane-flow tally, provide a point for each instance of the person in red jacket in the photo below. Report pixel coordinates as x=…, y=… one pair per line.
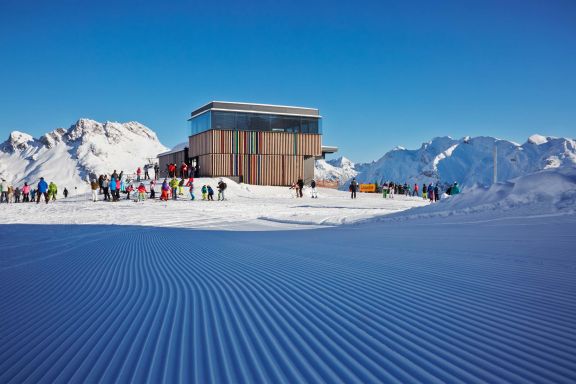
x=138, y=173
x=183, y=170
x=141, y=192
x=172, y=170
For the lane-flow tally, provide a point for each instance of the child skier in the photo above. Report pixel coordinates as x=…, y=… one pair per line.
x=190, y=185
x=141, y=192
x=165, y=189
x=210, y=193
x=204, y=192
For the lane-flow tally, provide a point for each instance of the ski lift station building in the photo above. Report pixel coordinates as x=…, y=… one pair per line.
x=252, y=143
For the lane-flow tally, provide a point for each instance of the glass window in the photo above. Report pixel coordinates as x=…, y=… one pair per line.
x=310, y=125
x=285, y=123
x=242, y=121
x=200, y=123
x=224, y=120
x=259, y=122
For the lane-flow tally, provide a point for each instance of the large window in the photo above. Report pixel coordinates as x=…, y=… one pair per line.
x=200, y=123
x=241, y=121
x=224, y=120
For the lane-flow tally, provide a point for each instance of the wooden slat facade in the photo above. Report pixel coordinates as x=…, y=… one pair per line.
x=265, y=158
x=254, y=169
x=255, y=143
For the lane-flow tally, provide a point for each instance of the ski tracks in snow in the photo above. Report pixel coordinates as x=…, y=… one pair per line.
x=366, y=303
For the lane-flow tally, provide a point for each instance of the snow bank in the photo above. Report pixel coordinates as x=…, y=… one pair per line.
x=551, y=191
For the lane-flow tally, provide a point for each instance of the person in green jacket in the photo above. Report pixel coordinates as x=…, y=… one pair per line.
x=52, y=191
x=174, y=185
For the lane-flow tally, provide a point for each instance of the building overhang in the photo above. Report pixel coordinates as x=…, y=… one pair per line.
x=256, y=108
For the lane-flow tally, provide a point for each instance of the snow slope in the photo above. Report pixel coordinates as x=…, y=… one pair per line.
x=468, y=161
x=69, y=157
x=248, y=207
x=428, y=299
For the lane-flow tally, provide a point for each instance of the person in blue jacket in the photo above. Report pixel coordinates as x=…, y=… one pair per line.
x=42, y=190
x=113, y=187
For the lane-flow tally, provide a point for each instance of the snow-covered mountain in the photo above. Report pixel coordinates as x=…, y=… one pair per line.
x=71, y=156
x=445, y=160
x=335, y=170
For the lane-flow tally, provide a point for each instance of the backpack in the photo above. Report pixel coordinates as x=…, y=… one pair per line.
x=223, y=186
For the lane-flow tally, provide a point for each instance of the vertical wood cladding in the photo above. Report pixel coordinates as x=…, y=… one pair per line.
x=267, y=158
x=254, y=169
x=260, y=143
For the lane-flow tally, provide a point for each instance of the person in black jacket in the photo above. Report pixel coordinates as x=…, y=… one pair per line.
x=300, y=184
x=353, y=188
x=313, y=191
x=221, y=189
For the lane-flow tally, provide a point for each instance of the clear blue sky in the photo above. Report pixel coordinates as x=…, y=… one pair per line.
x=383, y=73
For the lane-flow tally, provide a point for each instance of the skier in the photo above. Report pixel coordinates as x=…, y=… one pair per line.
x=141, y=192
x=112, y=187
x=190, y=185
x=183, y=170
x=33, y=194
x=415, y=193
x=353, y=187
x=42, y=190
x=3, y=191
x=129, y=189
x=181, y=187
x=138, y=173
x=172, y=170
x=10, y=194
x=165, y=188
x=424, y=191
x=174, y=185
x=430, y=193
x=384, y=190
x=221, y=189
x=313, y=191
x=436, y=193
x=300, y=185
x=152, y=190
x=105, y=188
x=17, y=193
x=65, y=193
x=94, y=187
x=156, y=171
x=210, y=193
x=52, y=190
x=146, y=175
x=26, y=193
x=204, y=191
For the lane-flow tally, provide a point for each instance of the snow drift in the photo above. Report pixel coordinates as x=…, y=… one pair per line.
x=547, y=192
x=69, y=157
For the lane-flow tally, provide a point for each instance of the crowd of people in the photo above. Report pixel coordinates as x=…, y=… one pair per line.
x=430, y=192
x=171, y=188
x=29, y=194
x=112, y=186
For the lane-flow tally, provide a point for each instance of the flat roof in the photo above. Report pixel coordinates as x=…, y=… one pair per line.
x=256, y=108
